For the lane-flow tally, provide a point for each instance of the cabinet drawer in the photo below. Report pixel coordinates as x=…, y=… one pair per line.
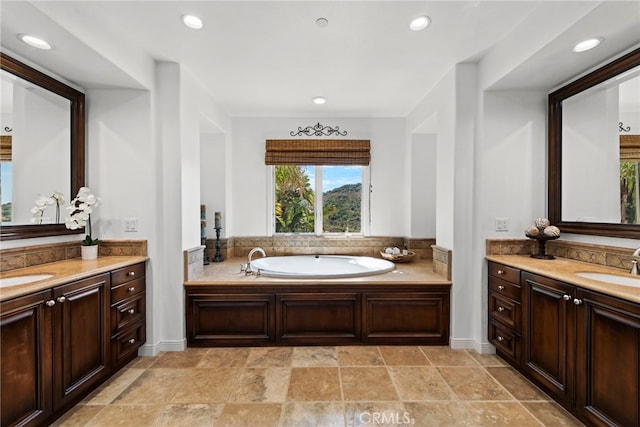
x=127, y=313
x=505, y=289
x=126, y=274
x=506, y=341
x=127, y=289
x=503, y=272
x=126, y=344
x=505, y=310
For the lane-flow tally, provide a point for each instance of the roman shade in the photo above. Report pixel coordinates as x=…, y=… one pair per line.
x=630, y=148
x=5, y=148
x=317, y=152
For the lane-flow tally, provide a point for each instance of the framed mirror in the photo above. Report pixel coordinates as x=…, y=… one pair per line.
x=42, y=150
x=594, y=151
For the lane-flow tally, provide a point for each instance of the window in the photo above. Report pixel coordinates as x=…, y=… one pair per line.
x=321, y=199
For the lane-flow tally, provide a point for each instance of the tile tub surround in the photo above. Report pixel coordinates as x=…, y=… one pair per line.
x=324, y=245
x=318, y=386
x=29, y=256
x=610, y=256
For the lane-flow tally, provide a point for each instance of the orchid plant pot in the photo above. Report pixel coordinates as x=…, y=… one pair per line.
x=89, y=252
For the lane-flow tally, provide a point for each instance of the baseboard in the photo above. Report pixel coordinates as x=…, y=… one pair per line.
x=470, y=344
x=155, y=349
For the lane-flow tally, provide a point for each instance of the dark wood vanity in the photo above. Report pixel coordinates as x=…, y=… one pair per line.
x=580, y=346
x=58, y=344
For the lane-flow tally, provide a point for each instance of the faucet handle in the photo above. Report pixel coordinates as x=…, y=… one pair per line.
x=634, y=267
x=243, y=268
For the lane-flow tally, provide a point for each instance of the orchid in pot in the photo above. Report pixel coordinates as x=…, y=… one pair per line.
x=80, y=210
x=41, y=204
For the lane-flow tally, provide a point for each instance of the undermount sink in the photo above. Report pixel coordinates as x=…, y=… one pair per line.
x=611, y=278
x=21, y=280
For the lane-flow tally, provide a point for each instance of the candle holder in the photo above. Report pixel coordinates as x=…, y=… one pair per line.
x=218, y=256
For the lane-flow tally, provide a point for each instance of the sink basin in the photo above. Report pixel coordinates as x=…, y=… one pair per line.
x=611, y=278
x=21, y=280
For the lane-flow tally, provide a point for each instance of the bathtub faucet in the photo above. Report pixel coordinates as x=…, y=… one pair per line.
x=634, y=262
x=247, y=267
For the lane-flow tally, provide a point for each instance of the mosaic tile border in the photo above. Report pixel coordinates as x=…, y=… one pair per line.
x=193, y=262
x=610, y=256
x=28, y=256
x=442, y=258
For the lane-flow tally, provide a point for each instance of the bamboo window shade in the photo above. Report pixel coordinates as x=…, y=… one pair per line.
x=5, y=148
x=630, y=148
x=356, y=152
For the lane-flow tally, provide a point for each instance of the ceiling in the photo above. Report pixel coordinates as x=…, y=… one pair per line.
x=268, y=58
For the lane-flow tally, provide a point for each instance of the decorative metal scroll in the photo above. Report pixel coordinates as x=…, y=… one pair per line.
x=7, y=129
x=318, y=130
x=621, y=127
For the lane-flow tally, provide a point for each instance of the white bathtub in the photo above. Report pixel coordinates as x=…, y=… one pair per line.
x=320, y=266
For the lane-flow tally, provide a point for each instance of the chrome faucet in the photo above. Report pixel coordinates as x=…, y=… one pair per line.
x=247, y=267
x=634, y=262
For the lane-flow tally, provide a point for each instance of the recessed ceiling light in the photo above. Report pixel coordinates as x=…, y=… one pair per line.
x=192, y=21
x=319, y=100
x=35, y=42
x=419, y=23
x=322, y=22
x=587, y=44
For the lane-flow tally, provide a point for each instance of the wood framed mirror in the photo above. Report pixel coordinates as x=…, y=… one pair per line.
x=591, y=121
x=72, y=166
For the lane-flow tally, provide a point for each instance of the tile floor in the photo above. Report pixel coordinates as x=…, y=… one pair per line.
x=318, y=386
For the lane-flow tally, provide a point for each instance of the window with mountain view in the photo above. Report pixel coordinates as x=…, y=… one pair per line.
x=319, y=199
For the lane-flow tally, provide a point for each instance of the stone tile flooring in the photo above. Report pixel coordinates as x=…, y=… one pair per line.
x=318, y=386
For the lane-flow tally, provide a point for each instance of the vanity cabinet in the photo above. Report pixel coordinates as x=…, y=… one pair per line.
x=505, y=313
x=56, y=345
x=310, y=314
x=580, y=346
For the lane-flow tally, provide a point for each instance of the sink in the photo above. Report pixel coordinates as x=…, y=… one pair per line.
x=21, y=280
x=611, y=278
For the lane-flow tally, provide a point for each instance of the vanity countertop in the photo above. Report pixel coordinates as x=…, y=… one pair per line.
x=63, y=272
x=565, y=270
x=228, y=273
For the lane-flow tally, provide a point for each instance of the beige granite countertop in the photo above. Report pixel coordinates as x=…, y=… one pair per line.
x=565, y=270
x=63, y=272
x=228, y=273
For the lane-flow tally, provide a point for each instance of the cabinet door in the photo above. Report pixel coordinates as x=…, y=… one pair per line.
x=608, y=360
x=25, y=355
x=81, y=337
x=549, y=334
x=318, y=318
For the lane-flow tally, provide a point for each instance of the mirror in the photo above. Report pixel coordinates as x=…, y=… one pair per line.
x=594, y=151
x=41, y=150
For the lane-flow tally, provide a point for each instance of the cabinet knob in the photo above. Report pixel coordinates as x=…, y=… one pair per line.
x=500, y=272
x=61, y=299
x=131, y=311
x=501, y=287
x=566, y=297
x=500, y=338
x=131, y=289
x=132, y=340
x=500, y=308
x=577, y=301
x=50, y=303
x=131, y=273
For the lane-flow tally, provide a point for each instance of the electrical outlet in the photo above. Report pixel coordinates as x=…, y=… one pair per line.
x=502, y=224
x=130, y=224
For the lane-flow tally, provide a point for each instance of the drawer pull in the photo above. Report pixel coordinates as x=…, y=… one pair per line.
x=501, y=287
x=131, y=289
x=132, y=340
x=500, y=338
x=50, y=303
x=61, y=299
x=566, y=297
x=500, y=272
x=131, y=311
x=500, y=308
x=577, y=301
x=131, y=273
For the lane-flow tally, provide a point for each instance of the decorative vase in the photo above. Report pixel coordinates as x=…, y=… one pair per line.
x=89, y=252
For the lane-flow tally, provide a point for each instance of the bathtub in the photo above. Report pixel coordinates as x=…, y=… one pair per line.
x=320, y=266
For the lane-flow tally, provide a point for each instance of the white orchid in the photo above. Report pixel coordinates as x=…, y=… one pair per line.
x=80, y=211
x=41, y=204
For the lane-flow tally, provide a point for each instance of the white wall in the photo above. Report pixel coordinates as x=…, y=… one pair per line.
x=422, y=169
x=249, y=173
x=213, y=178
